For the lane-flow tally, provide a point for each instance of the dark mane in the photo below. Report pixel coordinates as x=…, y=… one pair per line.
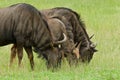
x=48, y=30
x=50, y=43
x=75, y=13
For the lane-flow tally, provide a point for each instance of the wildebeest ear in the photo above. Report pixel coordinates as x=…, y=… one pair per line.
x=95, y=50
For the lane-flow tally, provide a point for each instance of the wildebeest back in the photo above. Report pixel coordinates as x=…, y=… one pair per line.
x=23, y=23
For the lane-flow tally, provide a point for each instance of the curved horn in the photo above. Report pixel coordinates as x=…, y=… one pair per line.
x=91, y=36
x=62, y=41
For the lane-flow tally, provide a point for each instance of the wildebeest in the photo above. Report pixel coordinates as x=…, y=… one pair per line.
x=22, y=24
x=68, y=48
x=76, y=30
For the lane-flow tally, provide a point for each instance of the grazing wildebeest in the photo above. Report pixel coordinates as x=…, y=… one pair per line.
x=75, y=29
x=68, y=48
x=22, y=24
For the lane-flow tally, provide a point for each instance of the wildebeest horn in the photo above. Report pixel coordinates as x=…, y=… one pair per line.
x=62, y=41
x=93, y=45
x=74, y=46
x=78, y=45
x=91, y=36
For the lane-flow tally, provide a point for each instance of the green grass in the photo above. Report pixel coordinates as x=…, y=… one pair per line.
x=102, y=18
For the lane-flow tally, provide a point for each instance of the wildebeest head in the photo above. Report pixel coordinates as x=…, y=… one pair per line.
x=52, y=53
x=88, y=51
x=71, y=52
x=53, y=57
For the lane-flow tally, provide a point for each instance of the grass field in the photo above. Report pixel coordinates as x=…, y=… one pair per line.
x=102, y=18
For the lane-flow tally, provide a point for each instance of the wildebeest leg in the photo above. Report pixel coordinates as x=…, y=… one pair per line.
x=20, y=54
x=13, y=53
x=30, y=56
